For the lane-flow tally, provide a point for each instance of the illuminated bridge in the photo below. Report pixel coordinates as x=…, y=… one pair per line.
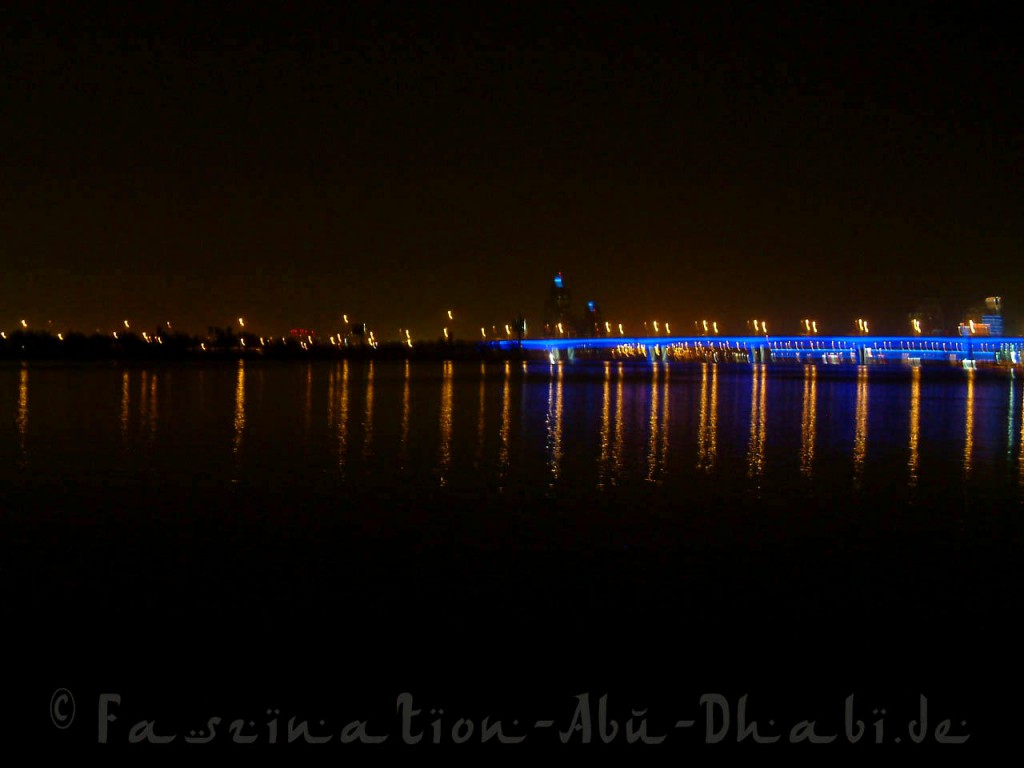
x=912, y=350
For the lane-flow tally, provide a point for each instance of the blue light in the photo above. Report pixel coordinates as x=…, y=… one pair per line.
x=590, y=306
x=798, y=347
x=558, y=280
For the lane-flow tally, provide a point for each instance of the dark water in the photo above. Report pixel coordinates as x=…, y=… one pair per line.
x=510, y=535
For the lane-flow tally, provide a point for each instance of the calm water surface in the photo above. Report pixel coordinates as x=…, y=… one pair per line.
x=563, y=432
x=713, y=523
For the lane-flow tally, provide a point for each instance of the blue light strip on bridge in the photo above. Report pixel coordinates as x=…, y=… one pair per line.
x=978, y=346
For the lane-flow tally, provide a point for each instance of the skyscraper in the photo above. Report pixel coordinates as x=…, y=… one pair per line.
x=558, y=319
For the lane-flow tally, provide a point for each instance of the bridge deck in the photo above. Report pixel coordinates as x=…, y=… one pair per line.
x=837, y=349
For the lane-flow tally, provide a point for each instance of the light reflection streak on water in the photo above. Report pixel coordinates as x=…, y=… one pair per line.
x=22, y=419
x=331, y=396
x=480, y=414
x=664, y=418
x=405, y=413
x=446, y=422
x=343, y=419
x=506, y=419
x=652, y=427
x=606, y=409
x=144, y=399
x=702, y=423
x=969, y=425
x=915, y=426
x=153, y=406
x=860, y=441
x=617, y=444
x=239, y=421
x=125, y=405
x=1011, y=418
x=308, y=402
x=368, y=420
x=554, y=422
x=707, y=433
x=1020, y=460
x=809, y=420
x=755, y=448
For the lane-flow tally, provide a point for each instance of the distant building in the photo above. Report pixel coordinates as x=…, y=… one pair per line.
x=593, y=322
x=558, y=318
x=987, y=321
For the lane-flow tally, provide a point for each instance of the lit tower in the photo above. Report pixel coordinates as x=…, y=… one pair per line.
x=594, y=324
x=993, y=316
x=558, y=310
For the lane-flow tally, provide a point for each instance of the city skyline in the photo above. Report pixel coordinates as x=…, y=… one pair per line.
x=450, y=324
x=853, y=163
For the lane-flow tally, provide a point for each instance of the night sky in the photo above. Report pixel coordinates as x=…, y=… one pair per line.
x=820, y=160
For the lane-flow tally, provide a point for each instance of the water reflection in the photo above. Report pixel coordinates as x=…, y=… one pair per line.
x=239, y=408
x=1011, y=419
x=506, y=422
x=405, y=414
x=21, y=421
x=616, y=467
x=969, y=424
x=809, y=420
x=480, y=414
x=331, y=395
x=446, y=422
x=342, y=425
x=664, y=418
x=307, y=408
x=652, y=430
x=623, y=424
x=1020, y=460
x=153, y=406
x=554, y=422
x=758, y=419
x=915, y=424
x=144, y=398
x=707, y=436
x=125, y=405
x=860, y=440
x=606, y=426
x=368, y=420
